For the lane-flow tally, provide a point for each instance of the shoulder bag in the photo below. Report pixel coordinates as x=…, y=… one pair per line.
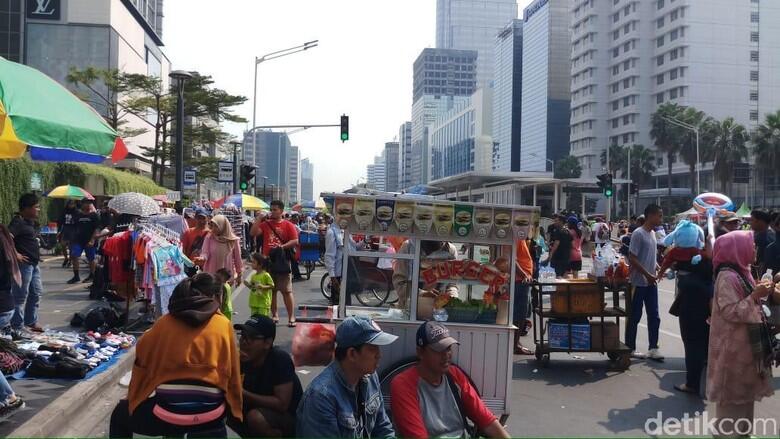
x=280, y=258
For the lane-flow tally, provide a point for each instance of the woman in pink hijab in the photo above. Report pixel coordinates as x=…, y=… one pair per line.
x=736, y=377
x=221, y=249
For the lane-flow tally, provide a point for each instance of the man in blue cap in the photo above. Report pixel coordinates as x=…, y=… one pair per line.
x=345, y=400
x=192, y=239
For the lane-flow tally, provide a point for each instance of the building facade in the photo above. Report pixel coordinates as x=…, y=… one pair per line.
x=307, y=180
x=546, y=84
x=294, y=176
x=473, y=25
x=57, y=35
x=270, y=153
x=375, y=173
x=392, y=161
x=719, y=56
x=461, y=139
x=507, y=98
x=405, y=156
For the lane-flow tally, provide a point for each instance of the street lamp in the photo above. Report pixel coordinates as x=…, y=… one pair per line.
x=179, y=77
x=264, y=193
x=551, y=162
x=273, y=191
x=268, y=57
x=235, y=144
x=696, y=130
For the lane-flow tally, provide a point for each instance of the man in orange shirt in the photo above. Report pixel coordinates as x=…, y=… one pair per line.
x=524, y=266
x=192, y=240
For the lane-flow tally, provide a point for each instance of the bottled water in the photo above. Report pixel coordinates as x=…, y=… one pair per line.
x=440, y=314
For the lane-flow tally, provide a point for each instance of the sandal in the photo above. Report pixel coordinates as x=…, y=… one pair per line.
x=275, y=320
x=522, y=350
x=291, y=324
x=685, y=389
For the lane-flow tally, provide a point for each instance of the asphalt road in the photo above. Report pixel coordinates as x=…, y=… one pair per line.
x=581, y=388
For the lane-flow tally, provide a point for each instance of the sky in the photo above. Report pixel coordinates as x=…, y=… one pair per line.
x=362, y=68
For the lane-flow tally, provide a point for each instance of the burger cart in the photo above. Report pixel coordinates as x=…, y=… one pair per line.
x=482, y=236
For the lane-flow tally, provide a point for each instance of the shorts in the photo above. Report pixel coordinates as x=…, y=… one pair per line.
x=285, y=422
x=282, y=282
x=77, y=249
x=575, y=265
x=259, y=311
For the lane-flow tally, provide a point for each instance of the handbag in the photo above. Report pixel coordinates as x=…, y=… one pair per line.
x=280, y=258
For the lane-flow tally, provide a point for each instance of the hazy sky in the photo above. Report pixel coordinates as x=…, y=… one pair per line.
x=362, y=67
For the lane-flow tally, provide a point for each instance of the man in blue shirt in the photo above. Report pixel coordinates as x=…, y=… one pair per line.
x=345, y=400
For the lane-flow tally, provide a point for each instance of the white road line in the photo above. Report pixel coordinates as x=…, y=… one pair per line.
x=663, y=331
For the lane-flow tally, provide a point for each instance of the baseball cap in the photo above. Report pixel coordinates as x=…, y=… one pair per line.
x=728, y=217
x=357, y=330
x=435, y=335
x=199, y=211
x=258, y=326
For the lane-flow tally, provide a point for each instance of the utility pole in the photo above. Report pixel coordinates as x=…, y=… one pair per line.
x=235, y=166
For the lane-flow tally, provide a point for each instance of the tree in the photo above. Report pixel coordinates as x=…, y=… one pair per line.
x=568, y=167
x=766, y=145
x=728, y=141
x=688, y=153
x=642, y=164
x=666, y=136
x=617, y=159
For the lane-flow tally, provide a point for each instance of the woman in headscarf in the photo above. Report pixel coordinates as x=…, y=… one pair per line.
x=221, y=248
x=737, y=373
x=186, y=376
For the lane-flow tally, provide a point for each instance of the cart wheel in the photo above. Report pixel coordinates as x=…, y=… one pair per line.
x=538, y=354
x=613, y=356
x=546, y=360
x=624, y=361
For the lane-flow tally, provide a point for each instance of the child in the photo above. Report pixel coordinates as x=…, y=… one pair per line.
x=261, y=286
x=226, y=301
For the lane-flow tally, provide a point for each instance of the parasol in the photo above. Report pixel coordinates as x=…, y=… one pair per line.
x=38, y=112
x=310, y=205
x=69, y=192
x=242, y=201
x=133, y=203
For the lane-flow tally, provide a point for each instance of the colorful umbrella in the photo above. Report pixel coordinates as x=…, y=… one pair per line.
x=38, y=112
x=69, y=192
x=312, y=205
x=242, y=201
x=133, y=203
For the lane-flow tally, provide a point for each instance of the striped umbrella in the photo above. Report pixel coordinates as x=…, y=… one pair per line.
x=69, y=192
x=242, y=201
x=39, y=113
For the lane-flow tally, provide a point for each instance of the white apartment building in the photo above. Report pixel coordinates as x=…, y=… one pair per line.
x=375, y=173
x=630, y=56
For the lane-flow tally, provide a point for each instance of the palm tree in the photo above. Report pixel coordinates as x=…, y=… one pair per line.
x=766, y=145
x=568, y=167
x=617, y=159
x=642, y=164
x=728, y=146
x=666, y=136
x=688, y=153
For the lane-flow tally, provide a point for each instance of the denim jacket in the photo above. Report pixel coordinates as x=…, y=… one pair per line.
x=329, y=408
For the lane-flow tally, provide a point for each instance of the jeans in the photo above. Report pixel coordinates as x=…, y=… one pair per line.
x=521, y=308
x=695, y=295
x=5, y=390
x=27, y=296
x=5, y=319
x=647, y=296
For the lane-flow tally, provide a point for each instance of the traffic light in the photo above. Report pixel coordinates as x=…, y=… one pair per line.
x=634, y=188
x=247, y=174
x=344, y=128
x=605, y=184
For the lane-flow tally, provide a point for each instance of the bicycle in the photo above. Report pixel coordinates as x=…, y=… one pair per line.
x=371, y=288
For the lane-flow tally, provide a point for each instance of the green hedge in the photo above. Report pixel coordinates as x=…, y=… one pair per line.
x=15, y=181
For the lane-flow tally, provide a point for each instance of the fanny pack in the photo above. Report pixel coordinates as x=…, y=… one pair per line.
x=188, y=404
x=189, y=419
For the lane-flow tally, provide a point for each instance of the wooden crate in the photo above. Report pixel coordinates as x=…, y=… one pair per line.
x=587, y=297
x=611, y=336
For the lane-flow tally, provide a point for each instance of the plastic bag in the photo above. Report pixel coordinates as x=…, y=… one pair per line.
x=313, y=344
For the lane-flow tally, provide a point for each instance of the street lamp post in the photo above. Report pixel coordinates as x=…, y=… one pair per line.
x=273, y=191
x=696, y=130
x=179, y=77
x=235, y=165
x=265, y=196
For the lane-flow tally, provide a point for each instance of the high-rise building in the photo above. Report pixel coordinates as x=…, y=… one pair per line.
x=546, y=81
x=270, y=154
x=461, y=139
x=307, y=180
x=442, y=77
x=391, y=166
x=473, y=25
x=57, y=35
x=629, y=57
x=375, y=173
x=507, y=98
x=405, y=155
x=293, y=171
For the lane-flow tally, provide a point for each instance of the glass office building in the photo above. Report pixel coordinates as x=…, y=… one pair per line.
x=507, y=98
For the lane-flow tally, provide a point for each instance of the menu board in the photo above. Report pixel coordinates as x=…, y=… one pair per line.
x=437, y=219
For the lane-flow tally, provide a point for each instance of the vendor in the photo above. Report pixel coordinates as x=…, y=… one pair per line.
x=429, y=250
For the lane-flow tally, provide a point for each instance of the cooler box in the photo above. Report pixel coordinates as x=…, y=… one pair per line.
x=310, y=246
x=558, y=335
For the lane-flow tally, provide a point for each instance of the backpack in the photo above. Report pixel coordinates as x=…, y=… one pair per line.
x=101, y=318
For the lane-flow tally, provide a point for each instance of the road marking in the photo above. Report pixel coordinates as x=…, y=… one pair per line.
x=663, y=331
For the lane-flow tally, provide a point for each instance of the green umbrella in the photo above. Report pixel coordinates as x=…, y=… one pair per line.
x=38, y=112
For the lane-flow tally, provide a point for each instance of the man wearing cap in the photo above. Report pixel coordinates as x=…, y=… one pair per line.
x=434, y=399
x=192, y=240
x=727, y=222
x=345, y=400
x=272, y=390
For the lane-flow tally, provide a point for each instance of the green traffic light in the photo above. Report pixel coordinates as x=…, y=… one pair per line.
x=244, y=185
x=608, y=192
x=344, y=137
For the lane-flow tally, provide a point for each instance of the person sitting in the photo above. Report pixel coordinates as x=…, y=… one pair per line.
x=434, y=399
x=272, y=390
x=345, y=400
x=188, y=357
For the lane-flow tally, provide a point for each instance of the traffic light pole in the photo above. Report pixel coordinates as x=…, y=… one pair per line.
x=235, y=167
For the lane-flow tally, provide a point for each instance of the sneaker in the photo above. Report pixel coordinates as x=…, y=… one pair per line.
x=638, y=355
x=74, y=279
x=655, y=355
x=11, y=408
x=35, y=328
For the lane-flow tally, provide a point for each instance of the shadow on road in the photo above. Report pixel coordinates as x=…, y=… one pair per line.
x=565, y=372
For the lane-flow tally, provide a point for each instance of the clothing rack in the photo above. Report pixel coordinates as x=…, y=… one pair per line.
x=160, y=231
x=236, y=220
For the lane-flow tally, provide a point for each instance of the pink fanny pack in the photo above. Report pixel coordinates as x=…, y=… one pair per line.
x=188, y=420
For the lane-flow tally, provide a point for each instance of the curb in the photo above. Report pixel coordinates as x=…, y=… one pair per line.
x=57, y=415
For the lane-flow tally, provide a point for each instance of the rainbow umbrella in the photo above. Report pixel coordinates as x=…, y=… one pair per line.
x=242, y=201
x=39, y=113
x=310, y=205
x=69, y=192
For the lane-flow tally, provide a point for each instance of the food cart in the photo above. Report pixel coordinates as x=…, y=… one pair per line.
x=452, y=262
